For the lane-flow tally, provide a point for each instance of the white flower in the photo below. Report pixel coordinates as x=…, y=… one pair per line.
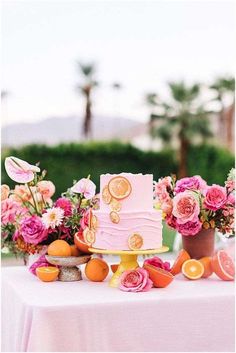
x=86, y=187
x=53, y=217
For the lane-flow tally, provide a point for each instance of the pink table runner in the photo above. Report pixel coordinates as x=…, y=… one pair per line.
x=187, y=316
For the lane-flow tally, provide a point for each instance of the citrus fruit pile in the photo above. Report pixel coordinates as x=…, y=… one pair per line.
x=221, y=264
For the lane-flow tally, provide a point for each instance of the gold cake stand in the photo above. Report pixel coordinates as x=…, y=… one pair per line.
x=128, y=260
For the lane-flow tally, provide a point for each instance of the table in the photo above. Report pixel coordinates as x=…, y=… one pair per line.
x=84, y=316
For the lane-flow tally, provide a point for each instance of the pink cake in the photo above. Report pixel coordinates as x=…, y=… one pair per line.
x=126, y=219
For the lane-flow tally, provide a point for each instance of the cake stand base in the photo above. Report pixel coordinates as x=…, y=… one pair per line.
x=128, y=260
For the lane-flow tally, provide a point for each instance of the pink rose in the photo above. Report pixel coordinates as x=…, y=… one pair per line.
x=167, y=206
x=216, y=197
x=161, y=186
x=157, y=262
x=65, y=204
x=5, y=190
x=46, y=188
x=190, y=228
x=86, y=187
x=19, y=170
x=10, y=210
x=185, y=207
x=32, y=230
x=84, y=222
x=135, y=281
x=41, y=262
x=190, y=183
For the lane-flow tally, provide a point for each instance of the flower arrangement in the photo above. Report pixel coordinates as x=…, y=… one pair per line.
x=29, y=217
x=189, y=204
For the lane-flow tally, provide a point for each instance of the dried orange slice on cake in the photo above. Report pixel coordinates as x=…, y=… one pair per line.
x=119, y=187
x=115, y=205
x=106, y=196
x=115, y=218
x=135, y=241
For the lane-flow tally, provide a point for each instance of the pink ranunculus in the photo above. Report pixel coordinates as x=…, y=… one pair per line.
x=86, y=187
x=230, y=185
x=135, y=281
x=190, y=228
x=21, y=193
x=10, y=210
x=32, y=230
x=65, y=204
x=190, y=183
x=41, y=262
x=46, y=188
x=162, y=185
x=157, y=262
x=167, y=206
x=186, y=207
x=215, y=198
x=19, y=170
x=84, y=222
x=231, y=199
x=5, y=190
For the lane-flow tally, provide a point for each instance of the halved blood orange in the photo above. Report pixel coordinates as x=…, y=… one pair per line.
x=161, y=278
x=206, y=261
x=119, y=187
x=47, y=273
x=114, y=267
x=193, y=269
x=80, y=243
x=223, y=266
x=182, y=257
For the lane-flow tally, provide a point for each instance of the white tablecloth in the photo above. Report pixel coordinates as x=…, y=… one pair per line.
x=187, y=316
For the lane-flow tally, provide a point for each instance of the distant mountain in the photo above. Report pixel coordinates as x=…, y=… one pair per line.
x=69, y=129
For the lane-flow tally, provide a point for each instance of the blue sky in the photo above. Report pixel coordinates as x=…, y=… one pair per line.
x=139, y=44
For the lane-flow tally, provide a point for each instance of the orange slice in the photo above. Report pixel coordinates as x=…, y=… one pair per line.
x=47, y=273
x=135, y=241
x=115, y=205
x=89, y=236
x=80, y=242
x=182, y=257
x=206, y=261
x=106, y=196
x=115, y=218
x=193, y=269
x=119, y=187
x=223, y=266
x=160, y=277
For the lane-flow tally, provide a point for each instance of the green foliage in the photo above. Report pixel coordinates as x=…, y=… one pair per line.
x=68, y=162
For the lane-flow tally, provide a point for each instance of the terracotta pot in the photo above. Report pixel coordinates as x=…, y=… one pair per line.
x=200, y=245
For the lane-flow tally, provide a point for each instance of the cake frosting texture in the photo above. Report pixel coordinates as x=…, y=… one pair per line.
x=126, y=219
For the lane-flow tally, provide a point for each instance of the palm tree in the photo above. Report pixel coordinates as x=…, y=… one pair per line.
x=225, y=87
x=86, y=88
x=152, y=102
x=184, y=119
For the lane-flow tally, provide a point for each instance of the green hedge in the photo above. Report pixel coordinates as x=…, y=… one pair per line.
x=67, y=162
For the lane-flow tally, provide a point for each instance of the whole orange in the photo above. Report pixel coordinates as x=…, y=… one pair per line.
x=59, y=248
x=96, y=270
x=74, y=250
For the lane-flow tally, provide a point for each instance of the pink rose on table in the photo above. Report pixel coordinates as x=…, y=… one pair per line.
x=190, y=228
x=86, y=187
x=135, y=281
x=65, y=204
x=216, y=197
x=185, y=207
x=5, y=190
x=32, y=230
x=11, y=210
x=41, y=262
x=190, y=183
x=19, y=170
x=46, y=188
x=157, y=262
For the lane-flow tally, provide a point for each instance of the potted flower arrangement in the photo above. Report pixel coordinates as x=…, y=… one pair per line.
x=196, y=210
x=31, y=220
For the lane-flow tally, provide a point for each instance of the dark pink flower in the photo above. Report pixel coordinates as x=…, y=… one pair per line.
x=216, y=197
x=84, y=222
x=41, y=262
x=171, y=221
x=189, y=228
x=190, y=183
x=135, y=281
x=157, y=262
x=65, y=204
x=32, y=230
